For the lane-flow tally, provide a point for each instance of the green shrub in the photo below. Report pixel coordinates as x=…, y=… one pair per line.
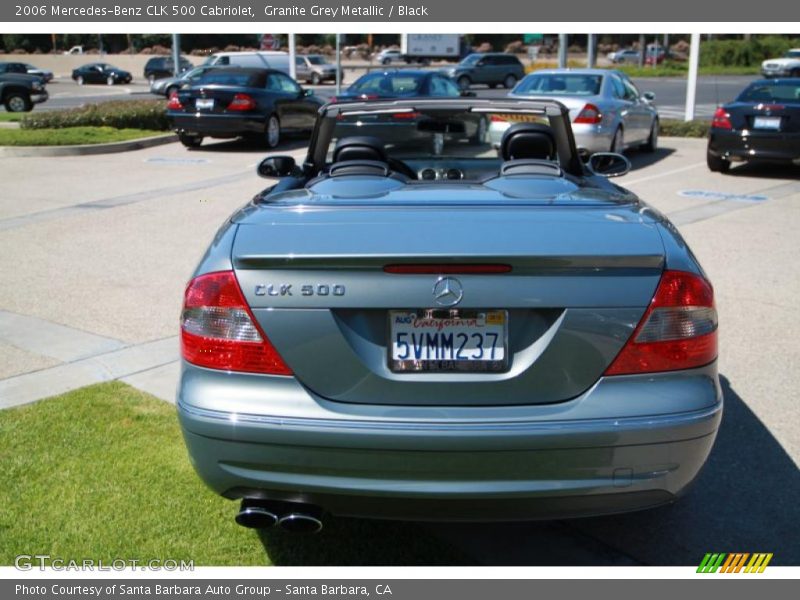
x=744, y=53
x=677, y=128
x=121, y=114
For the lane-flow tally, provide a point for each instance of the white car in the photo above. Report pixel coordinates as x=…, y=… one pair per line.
x=624, y=56
x=388, y=56
x=788, y=66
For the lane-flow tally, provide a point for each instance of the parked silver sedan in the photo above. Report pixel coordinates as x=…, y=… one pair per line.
x=607, y=111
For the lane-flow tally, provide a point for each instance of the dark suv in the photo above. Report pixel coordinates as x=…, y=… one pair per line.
x=159, y=67
x=493, y=69
x=20, y=91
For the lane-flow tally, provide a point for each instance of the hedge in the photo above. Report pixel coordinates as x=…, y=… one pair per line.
x=691, y=129
x=121, y=114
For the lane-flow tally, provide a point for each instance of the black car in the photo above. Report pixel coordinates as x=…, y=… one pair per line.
x=159, y=67
x=100, y=73
x=20, y=91
x=490, y=68
x=20, y=69
x=238, y=102
x=404, y=83
x=763, y=123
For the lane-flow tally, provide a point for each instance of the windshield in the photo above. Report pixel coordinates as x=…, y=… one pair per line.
x=778, y=91
x=234, y=78
x=410, y=134
x=196, y=72
x=560, y=84
x=394, y=84
x=471, y=59
x=792, y=54
x=315, y=59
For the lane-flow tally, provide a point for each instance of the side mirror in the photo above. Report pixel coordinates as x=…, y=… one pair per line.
x=649, y=96
x=276, y=166
x=608, y=164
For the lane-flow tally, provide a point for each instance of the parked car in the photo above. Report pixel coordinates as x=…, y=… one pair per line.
x=46, y=75
x=74, y=50
x=235, y=102
x=607, y=111
x=261, y=59
x=492, y=69
x=315, y=69
x=523, y=340
x=13, y=67
x=627, y=56
x=100, y=73
x=388, y=56
x=170, y=85
x=404, y=83
x=761, y=124
x=159, y=67
x=788, y=66
x=20, y=91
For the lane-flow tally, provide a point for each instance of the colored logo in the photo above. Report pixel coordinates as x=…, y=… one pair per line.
x=736, y=562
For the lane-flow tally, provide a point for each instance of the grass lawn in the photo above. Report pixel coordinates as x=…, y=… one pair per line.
x=69, y=136
x=10, y=116
x=102, y=473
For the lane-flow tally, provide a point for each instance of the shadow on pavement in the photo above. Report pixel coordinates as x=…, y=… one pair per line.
x=745, y=500
x=765, y=170
x=288, y=144
x=640, y=159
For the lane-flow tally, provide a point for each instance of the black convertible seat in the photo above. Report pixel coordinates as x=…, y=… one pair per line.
x=528, y=140
x=361, y=147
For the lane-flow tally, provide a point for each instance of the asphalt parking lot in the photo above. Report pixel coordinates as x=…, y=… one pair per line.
x=95, y=252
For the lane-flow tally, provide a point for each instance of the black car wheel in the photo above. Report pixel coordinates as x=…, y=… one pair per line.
x=492, y=86
x=80, y=80
x=652, y=142
x=272, y=135
x=717, y=164
x=17, y=102
x=110, y=80
x=464, y=82
x=151, y=78
x=618, y=143
x=190, y=141
x=386, y=61
x=315, y=78
x=480, y=132
x=510, y=81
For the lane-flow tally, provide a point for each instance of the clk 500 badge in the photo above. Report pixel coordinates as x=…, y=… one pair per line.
x=285, y=289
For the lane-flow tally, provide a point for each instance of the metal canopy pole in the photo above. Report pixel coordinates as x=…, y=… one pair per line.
x=691, y=84
x=562, y=50
x=292, y=54
x=338, y=66
x=176, y=54
x=591, y=59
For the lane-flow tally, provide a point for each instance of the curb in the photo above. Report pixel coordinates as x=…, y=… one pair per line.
x=87, y=149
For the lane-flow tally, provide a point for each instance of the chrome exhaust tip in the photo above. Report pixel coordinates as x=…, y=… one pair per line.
x=297, y=522
x=254, y=515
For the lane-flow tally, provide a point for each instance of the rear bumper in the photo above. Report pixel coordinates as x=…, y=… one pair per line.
x=591, y=138
x=755, y=145
x=214, y=125
x=628, y=443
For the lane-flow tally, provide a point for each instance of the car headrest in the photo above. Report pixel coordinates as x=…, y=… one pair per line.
x=528, y=140
x=363, y=147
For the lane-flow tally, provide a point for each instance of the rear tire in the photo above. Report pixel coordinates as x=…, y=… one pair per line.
x=652, y=142
x=315, y=80
x=18, y=102
x=79, y=80
x=190, y=141
x=110, y=80
x=464, y=82
x=717, y=164
x=272, y=134
x=509, y=82
x=386, y=61
x=618, y=142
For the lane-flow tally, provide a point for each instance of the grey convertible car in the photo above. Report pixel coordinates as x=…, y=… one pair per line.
x=445, y=331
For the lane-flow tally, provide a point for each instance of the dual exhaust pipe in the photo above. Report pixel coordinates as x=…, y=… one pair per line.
x=289, y=516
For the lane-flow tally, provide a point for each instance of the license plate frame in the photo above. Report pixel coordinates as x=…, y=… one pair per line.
x=464, y=364
x=767, y=123
x=204, y=104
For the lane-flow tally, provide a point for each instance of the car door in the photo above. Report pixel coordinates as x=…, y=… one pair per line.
x=624, y=106
x=296, y=109
x=641, y=112
x=97, y=74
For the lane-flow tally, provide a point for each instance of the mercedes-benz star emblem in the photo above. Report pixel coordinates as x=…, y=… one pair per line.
x=447, y=291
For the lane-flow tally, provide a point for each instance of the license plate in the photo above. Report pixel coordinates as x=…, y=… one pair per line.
x=448, y=340
x=204, y=104
x=767, y=123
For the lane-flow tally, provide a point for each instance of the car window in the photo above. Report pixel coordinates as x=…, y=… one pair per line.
x=617, y=87
x=278, y=82
x=561, y=84
x=771, y=92
x=392, y=84
x=233, y=77
x=631, y=92
x=299, y=62
x=471, y=60
x=316, y=60
x=792, y=54
x=440, y=86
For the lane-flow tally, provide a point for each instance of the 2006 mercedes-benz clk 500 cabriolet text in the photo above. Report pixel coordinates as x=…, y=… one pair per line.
x=413, y=324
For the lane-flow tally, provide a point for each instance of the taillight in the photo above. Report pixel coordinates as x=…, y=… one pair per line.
x=498, y=119
x=218, y=331
x=174, y=103
x=405, y=116
x=242, y=102
x=589, y=115
x=722, y=119
x=678, y=330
